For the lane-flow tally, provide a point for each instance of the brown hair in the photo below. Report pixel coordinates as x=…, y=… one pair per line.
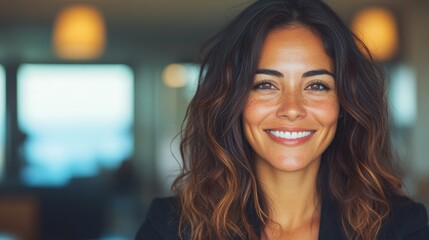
x=217, y=187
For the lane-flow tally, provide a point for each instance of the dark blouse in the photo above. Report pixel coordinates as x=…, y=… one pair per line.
x=408, y=220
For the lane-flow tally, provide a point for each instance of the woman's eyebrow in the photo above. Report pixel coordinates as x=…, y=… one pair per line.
x=269, y=72
x=306, y=74
x=317, y=72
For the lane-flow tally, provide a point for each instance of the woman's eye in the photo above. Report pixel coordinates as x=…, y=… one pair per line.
x=264, y=85
x=318, y=87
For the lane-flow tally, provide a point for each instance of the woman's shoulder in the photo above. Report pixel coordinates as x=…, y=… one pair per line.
x=162, y=220
x=163, y=207
x=407, y=220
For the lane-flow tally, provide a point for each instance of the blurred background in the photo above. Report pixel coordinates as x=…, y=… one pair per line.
x=93, y=93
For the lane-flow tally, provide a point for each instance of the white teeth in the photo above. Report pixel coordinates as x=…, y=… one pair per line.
x=290, y=135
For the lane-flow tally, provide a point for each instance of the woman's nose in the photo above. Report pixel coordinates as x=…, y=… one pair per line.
x=291, y=106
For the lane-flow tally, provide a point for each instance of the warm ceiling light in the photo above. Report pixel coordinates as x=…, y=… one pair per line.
x=79, y=33
x=175, y=75
x=378, y=29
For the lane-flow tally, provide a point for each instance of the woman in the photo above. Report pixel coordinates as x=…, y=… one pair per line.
x=287, y=137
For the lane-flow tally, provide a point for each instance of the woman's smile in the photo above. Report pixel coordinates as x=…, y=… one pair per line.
x=290, y=137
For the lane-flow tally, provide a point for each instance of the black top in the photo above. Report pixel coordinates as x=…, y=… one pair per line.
x=408, y=220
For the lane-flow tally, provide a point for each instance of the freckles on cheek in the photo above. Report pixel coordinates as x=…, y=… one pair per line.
x=327, y=112
x=249, y=106
x=248, y=110
x=254, y=110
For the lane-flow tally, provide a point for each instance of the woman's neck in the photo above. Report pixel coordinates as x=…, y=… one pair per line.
x=291, y=197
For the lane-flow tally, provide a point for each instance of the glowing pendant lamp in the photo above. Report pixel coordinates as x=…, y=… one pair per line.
x=378, y=29
x=79, y=33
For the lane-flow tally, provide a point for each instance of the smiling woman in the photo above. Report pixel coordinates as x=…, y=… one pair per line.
x=287, y=137
x=291, y=114
x=289, y=120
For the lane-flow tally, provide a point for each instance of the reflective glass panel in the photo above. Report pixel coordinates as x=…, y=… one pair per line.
x=2, y=119
x=76, y=120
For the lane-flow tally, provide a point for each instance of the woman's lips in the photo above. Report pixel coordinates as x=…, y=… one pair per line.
x=290, y=137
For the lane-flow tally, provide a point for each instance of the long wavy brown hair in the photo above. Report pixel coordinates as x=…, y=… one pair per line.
x=218, y=187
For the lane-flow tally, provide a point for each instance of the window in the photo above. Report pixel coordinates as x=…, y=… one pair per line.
x=76, y=120
x=2, y=119
x=403, y=96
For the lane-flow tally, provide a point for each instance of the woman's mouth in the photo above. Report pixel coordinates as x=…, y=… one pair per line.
x=290, y=135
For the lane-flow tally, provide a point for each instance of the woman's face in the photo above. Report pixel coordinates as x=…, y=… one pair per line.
x=291, y=114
